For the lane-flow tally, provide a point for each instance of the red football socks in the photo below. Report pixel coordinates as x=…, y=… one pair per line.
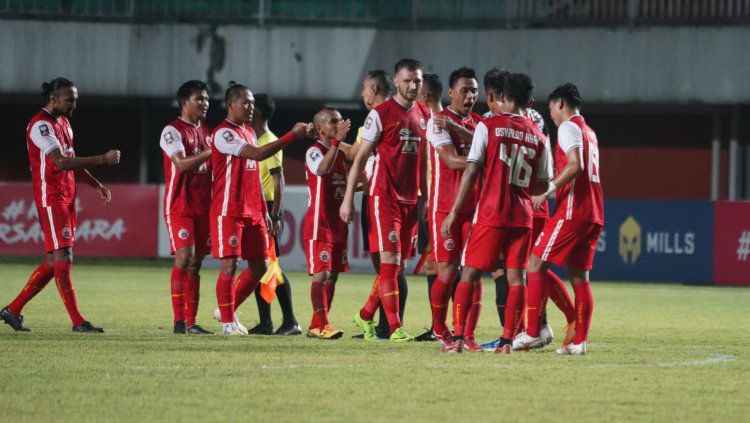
x=177, y=285
x=462, y=305
x=244, y=286
x=373, y=301
x=225, y=297
x=37, y=281
x=192, y=289
x=439, y=298
x=534, y=293
x=476, y=307
x=389, y=294
x=67, y=293
x=584, y=311
x=330, y=289
x=318, y=297
x=514, y=310
x=559, y=295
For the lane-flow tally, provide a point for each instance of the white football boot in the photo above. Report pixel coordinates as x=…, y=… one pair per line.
x=525, y=342
x=573, y=349
x=231, y=329
x=547, y=335
x=240, y=326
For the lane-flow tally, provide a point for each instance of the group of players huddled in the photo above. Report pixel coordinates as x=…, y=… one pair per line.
x=479, y=184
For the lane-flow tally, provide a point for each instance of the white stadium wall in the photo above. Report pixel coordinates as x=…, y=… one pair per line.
x=619, y=65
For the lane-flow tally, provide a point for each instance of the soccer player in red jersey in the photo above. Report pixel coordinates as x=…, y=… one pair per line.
x=449, y=133
x=239, y=216
x=185, y=143
x=510, y=150
x=323, y=232
x=569, y=238
x=396, y=128
x=54, y=167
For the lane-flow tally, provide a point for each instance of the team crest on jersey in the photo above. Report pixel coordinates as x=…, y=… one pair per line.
x=168, y=138
x=44, y=130
x=368, y=122
x=422, y=123
x=325, y=256
x=449, y=244
x=66, y=232
x=393, y=236
x=233, y=240
x=183, y=234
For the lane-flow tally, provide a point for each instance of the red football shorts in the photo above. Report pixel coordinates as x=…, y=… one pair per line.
x=58, y=224
x=486, y=244
x=538, y=226
x=568, y=242
x=245, y=237
x=325, y=256
x=186, y=231
x=393, y=226
x=445, y=250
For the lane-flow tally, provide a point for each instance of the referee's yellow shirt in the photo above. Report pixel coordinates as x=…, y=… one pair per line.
x=269, y=164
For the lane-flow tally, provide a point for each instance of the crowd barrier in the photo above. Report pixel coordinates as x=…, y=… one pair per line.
x=694, y=242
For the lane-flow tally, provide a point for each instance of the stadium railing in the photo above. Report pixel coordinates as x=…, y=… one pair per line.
x=397, y=14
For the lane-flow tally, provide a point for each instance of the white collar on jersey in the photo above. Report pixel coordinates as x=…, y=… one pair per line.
x=190, y=123
x=57, y=118
x=239, y=126
x=460, y=116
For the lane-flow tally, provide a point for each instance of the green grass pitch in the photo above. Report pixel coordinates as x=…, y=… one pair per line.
x=657, y=352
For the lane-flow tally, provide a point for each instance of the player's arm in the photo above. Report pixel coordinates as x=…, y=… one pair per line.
x=187, y=164
x=111, y=157
x=86, y=176
x=342, y=128
x=448, y=155
x=370, y=136
x=424, y=198
x=300, y=130
x=570, y=139
x=460, y=131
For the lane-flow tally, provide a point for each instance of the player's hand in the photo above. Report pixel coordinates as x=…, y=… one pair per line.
x=443, y=122
x=346, y=212
x=269, y=223
x=112, y=157
x=300, y=130
x=445, y=230
x=342, y=128
x=538, y=200
x=105, y=194
x=310, y=131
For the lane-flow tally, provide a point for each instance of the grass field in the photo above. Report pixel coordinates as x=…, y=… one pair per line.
x=657, y=353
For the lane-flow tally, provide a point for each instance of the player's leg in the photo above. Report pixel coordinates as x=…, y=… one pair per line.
x=63, y=264
x=514, y=308
x=256, y=254
x=183, y=258
x=39, y=278
x=192, y=295
x=226, y=234
x=318, y=299
x=463, y=300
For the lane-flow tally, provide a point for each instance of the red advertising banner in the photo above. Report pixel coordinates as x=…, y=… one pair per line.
x=127, y=227
x=732, y=243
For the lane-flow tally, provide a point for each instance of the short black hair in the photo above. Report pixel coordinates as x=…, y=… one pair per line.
x=494, y=79
x=410, y=65
x=188, y=88
x=568, y=92
x=265, y=105
x=519, y=88
x=49, y=88
x=381, y=81
x=462, y=72
x=233, y=91
x=433, y=85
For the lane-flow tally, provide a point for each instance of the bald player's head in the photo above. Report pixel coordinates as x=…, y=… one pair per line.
x=325, y=122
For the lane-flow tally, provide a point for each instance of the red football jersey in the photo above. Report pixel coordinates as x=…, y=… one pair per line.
x=513, y=152
x=326, y=193
x=236, y=181
x=582, y=199
x=45, y=133
x=186, y=193
x=444, y=180
x=399, y=134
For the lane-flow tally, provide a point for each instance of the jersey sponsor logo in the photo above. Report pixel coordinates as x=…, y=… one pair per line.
x=183, y=234
x=251, y=164
x=449, y=244
x=233, y=240
x=411, y=144
x=368, y=122
x=339, y=184
x=315, y=155
x=168, y=138
x=66, y=232
x=44, y=130
x=630, y=241
x=325, y=256
x=393, y=236
x=228, y=136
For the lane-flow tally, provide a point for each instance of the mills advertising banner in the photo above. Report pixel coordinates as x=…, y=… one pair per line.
x=662, y=241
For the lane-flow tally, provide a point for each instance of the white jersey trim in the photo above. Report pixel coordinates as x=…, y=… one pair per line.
x=373, y=127
x=478, y=151
x=171, y=141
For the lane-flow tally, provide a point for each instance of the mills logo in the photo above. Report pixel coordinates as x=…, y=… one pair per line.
x=630, y=240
